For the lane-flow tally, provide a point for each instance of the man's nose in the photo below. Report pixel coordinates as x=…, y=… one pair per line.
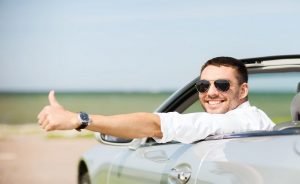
x=212, y=90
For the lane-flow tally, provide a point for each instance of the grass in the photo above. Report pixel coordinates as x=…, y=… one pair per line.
x=19, y=108
x=18, y=111
x=275, y=105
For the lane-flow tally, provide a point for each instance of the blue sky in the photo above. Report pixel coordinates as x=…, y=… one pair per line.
x=154, y=45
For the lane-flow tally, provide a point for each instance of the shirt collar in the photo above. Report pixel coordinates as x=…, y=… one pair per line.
x=244, y=105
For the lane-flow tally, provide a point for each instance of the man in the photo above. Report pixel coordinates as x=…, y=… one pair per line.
x=223, y=93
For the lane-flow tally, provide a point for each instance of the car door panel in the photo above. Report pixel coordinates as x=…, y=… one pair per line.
x=251, y=160
x=143, y=165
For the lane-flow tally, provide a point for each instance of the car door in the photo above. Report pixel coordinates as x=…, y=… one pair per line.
x=173, y=163
x=261, y=159
x=250, y=158
x=146, y=164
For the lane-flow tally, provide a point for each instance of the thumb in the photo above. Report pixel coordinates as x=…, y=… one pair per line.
x=52, y=99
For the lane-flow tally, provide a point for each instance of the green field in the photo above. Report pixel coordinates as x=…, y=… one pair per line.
x=276, y=105
x=20, y=108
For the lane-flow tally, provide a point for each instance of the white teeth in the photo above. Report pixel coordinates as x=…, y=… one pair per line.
x=214, y=102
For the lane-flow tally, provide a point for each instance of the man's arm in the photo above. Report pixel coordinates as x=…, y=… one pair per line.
x=135, y=125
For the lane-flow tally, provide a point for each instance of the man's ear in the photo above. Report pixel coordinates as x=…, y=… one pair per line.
x=244, y=91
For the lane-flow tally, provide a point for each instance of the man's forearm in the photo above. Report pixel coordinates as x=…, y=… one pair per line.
x=135, y=125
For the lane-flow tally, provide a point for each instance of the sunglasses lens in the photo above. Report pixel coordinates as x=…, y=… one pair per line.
x=202, y=86
x=222, y=85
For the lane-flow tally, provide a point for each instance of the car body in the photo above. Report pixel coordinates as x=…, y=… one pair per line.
x=248, y=157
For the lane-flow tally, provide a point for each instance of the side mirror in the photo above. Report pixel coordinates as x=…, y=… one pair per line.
x=112, y=140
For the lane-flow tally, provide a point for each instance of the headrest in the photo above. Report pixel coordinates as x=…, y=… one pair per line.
x=295, y=105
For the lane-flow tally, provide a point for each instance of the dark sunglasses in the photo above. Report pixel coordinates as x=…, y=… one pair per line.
x=222, y=85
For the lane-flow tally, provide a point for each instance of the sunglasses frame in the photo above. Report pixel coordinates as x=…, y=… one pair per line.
x=216, y=84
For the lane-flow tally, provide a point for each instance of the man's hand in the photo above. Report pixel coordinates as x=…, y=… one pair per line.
x=55, y=117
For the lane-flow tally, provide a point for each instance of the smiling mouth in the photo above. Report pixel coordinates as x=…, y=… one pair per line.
x=214, y=102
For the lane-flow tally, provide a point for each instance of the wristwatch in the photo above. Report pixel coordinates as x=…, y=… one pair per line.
x=84, y=120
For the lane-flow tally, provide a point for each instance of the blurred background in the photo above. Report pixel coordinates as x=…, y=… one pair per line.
x=83, y=48
x=116, y=56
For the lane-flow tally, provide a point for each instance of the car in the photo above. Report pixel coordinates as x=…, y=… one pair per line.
x=247, y=157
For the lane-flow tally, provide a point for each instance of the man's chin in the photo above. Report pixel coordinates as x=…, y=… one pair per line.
x=215, y=110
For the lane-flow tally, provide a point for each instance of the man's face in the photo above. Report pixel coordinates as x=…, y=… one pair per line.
x=215, y=101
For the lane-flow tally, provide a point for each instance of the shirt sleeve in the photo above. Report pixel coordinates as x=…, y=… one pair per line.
x=187, y=128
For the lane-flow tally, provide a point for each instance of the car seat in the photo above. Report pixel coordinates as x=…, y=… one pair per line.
x=295, y=105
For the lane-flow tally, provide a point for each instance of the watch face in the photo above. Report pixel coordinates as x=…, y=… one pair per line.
x=84, y=116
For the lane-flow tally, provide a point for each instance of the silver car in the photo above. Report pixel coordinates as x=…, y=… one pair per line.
x=249, y=157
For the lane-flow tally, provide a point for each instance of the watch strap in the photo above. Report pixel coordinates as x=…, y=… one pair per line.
x=84, y=119
x=82, y=126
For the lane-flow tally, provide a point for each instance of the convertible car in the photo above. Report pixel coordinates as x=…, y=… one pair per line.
x=248, y=157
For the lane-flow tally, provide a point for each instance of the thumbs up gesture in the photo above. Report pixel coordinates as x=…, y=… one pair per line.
x=52, y=100
x=55, y=117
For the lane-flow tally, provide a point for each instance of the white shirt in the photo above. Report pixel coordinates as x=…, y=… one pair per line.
x=187, y=128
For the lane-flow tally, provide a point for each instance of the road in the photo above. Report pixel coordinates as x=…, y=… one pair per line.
x=38, y=159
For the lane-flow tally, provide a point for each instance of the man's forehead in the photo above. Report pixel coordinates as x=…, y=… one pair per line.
x=218, y=70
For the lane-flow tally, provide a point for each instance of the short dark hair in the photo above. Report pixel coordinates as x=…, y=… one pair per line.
x=238, y=65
